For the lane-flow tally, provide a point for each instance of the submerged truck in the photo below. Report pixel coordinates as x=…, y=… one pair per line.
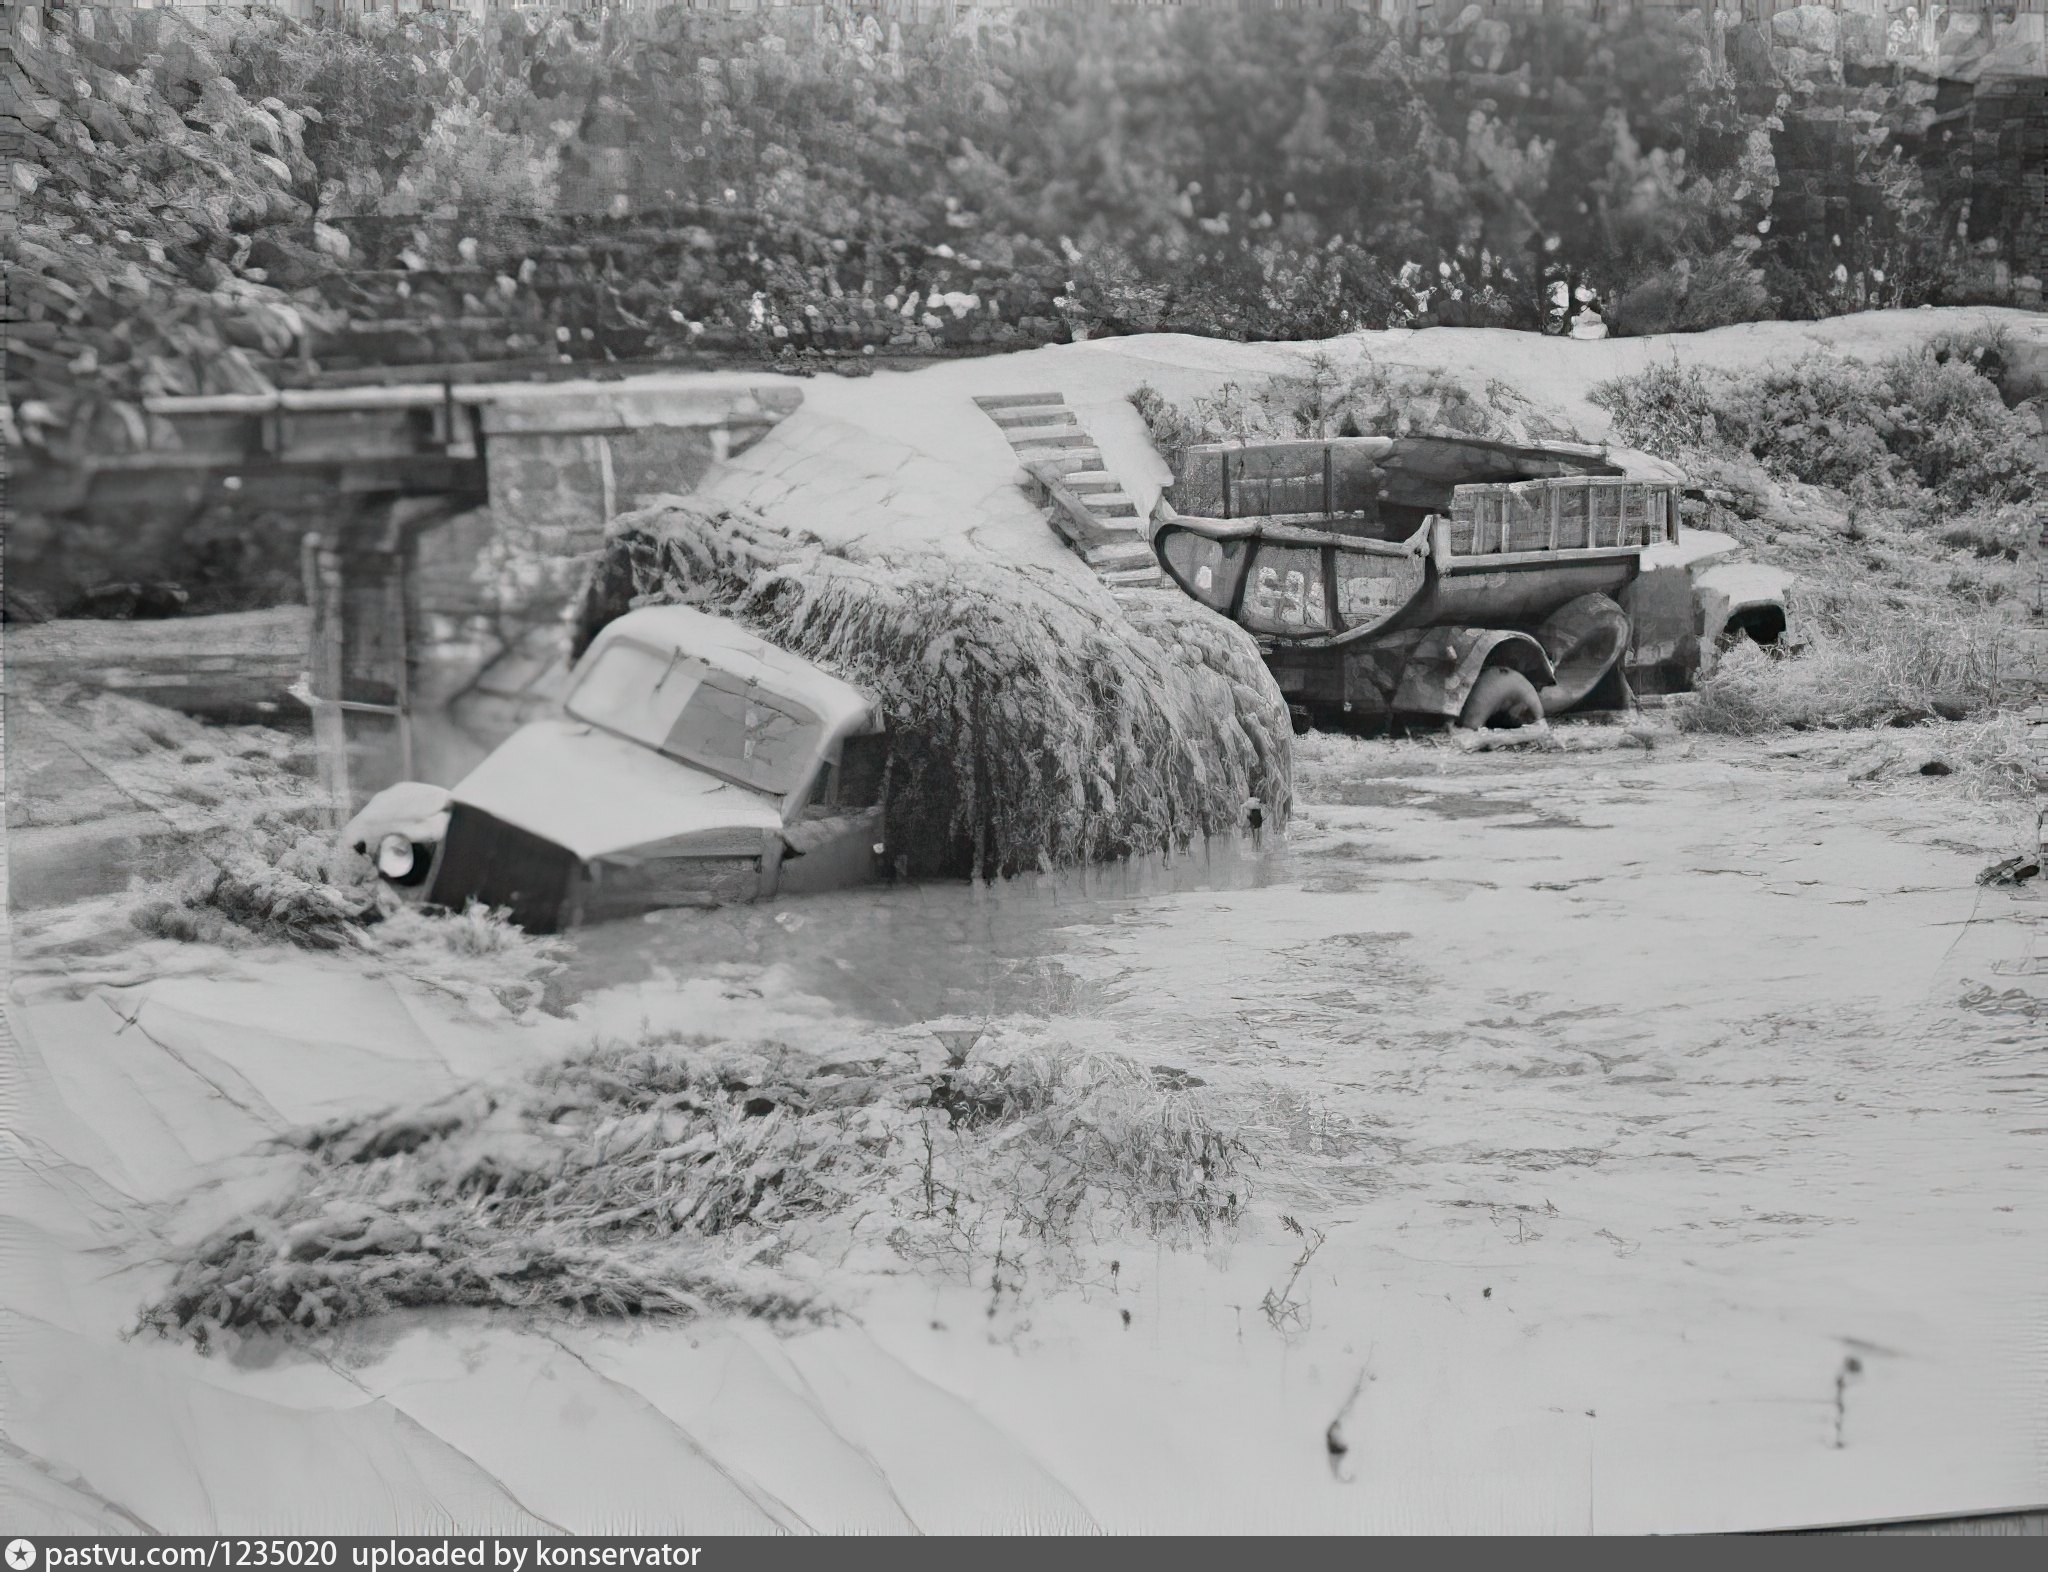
x=1479, y=582
x=691, y=764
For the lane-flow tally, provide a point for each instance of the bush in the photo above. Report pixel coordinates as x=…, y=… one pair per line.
x=1861, y=663
x=1897, y=492
x=1718, y=290
x=1324, y=401
x=1036, y=723
x=1926, y=427
x=674, y=1176
x=466, y=166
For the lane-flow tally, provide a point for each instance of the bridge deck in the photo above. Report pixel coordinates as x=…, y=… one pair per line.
x=407, y=437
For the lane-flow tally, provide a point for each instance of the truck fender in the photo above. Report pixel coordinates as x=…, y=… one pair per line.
x=1440, y=671
x=1584, y=639
x=1733, y=597
x=413, y=809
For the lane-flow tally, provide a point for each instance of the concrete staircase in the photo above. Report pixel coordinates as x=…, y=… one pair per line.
x=1086, y=504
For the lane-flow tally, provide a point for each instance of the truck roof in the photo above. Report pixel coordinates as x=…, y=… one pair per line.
x=718, y=641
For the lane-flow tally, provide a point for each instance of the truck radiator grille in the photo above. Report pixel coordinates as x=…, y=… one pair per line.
x=485, y=859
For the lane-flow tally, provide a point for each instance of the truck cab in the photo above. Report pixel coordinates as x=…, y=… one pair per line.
x=692, y=764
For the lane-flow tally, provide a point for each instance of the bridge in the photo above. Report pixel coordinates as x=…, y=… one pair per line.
x=452, y=523
x=415, y=439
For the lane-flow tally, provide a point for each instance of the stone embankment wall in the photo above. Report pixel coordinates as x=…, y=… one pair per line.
x=491, y=591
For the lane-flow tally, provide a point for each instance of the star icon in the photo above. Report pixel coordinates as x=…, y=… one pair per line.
x=21, y=1555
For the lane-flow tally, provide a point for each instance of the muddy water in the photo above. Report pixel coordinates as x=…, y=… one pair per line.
x=906, y=953
x=1668, y=1132
x=1675, y=1125
x=1733, y=983
x=901, y=954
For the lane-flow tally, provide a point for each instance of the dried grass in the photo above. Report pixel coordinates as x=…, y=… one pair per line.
x=674, y=1176
x=267, y=878
x=2002, y=759
x=1038, y=721
x=1862, y=661
x=1326, y=400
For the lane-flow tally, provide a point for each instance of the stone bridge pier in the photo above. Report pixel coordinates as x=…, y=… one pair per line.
x=441, y=621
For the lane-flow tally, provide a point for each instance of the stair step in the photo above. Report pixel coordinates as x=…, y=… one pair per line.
x=1105, y=530
x=1066, y=439
x=1096, y=533
x=993, y=401
x=1124, y=554
x=1027, y=420
x=1081, y=463
x=1067, y=530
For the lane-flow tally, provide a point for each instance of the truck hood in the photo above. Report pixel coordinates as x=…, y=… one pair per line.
x=596, y=794
x=1694, y=548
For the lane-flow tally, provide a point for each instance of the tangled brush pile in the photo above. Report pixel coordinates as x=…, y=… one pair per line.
x=238, y=854
x=1038, y=723
x=671, y=1177
x=268, y=881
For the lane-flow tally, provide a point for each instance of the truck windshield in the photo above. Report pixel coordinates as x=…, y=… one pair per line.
x=699, y=715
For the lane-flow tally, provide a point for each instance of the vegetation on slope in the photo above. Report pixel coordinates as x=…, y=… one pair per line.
x=1903, y=494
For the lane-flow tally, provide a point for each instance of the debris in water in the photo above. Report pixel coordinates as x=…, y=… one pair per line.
x=1538, y=735
x=1334, y=1439
x=2014, y=870
x=1851, y=1366
x=959, y=1042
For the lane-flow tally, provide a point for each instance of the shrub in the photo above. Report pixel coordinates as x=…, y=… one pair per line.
x=1717, y=290
x=1861, y=663
x=1926, y=426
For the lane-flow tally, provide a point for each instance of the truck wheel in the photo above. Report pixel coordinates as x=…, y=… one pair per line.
x=1501, y=700
x=1585, y=640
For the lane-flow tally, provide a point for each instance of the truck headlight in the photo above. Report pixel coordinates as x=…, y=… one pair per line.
x=395, y=856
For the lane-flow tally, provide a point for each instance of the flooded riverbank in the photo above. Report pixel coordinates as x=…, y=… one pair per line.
x=1662, y=1130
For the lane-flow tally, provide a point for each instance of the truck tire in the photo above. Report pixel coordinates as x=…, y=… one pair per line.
x=1501, y=700
x=1585, y=640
